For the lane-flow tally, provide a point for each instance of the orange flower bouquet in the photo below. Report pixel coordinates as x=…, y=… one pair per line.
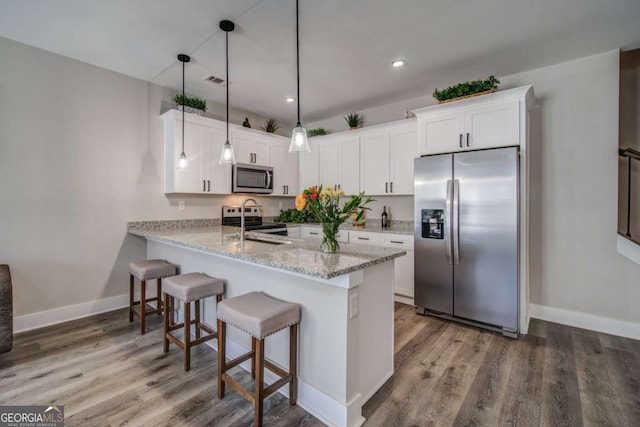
x=324, y=206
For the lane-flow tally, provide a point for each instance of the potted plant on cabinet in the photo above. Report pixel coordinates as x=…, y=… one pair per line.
x=271, y=126
x=466, y=90
x=190, y=104
x=354, y=120
x=317, y=132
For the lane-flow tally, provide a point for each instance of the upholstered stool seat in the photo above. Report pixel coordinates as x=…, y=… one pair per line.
x=260, y=316
x=191, y=287
x=148, y=270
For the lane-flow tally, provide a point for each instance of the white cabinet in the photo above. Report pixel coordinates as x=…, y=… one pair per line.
x=309, y=162
x=483, y=122
x=203, y=140
x=339, y=163
x=250, y=146
x=404, y=267
x=387, y=161
x=365, y=237
x=285, y=169
x=316, y=233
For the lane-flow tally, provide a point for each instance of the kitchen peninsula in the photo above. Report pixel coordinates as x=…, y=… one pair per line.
x=346, y=329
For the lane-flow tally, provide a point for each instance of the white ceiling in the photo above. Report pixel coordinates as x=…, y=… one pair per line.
x=346, y=46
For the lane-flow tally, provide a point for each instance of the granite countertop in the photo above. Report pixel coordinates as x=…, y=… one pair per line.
x=296, y=255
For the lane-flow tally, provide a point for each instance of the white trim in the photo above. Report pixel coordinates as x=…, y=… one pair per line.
x=403, y=299
x=592, y=322
x=628, y=249
x=41, y=319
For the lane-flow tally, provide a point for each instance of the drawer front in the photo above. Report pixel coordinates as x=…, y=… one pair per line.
x=310, y=233
x=316, y=233
x=398, y=241
x=364, y=238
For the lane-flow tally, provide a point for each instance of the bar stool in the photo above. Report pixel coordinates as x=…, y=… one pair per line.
x=260, y=316
x=189, y=288
x=148, y=270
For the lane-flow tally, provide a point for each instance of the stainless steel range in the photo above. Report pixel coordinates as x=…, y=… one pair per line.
x=253, y=220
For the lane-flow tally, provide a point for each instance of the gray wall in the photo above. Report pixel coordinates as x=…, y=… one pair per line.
x=81, y=152
x=574, y=262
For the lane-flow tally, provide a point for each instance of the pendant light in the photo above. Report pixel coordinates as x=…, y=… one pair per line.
x=299, y=140
x=183, y=163
x=227, y=156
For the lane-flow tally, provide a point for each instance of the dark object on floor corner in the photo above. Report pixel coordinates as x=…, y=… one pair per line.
x=6, y=310
x=246, y=123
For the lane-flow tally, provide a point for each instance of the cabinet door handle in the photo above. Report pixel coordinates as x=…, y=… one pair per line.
x=391, y=187
x=363, y=238
x=314, y=233
x=255, y=158
x=208, y=185
x=287, y=188
x=467, y=139
x=204, y=185
x=460, y=140
x=396, y=241
x=386, y=187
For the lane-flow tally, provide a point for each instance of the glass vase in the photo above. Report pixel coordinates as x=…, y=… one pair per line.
x=329, y=238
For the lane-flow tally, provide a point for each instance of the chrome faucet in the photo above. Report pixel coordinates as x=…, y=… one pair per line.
x=242, y=216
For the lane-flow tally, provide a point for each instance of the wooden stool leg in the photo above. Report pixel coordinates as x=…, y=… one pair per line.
x=187, y=336
x=130, y=298
x=222, y=329
x=159, y=295
x=293, y=364
x=259, y=396
x=253, y=358
x=197, y=304
x=143, y=306
x=172, y=314
x=166, y=323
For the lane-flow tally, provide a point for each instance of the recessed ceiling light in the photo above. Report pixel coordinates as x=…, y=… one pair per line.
x=290, y=99
x=397, y=63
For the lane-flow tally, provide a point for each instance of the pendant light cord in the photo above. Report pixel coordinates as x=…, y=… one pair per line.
x=227, y=54
x=298, y=59
x=183, y=106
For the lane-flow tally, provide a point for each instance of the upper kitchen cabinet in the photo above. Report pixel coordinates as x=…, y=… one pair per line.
x=285, y=168
x=339, y=162
x=203, y=140
x=486, y=121
x=251, y=146
x=309, y=164
x=387, y=159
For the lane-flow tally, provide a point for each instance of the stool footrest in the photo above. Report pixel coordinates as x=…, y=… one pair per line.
x=275, y=369
x=176, y=341
x=276, y=385
x=235, y=362
x=204, y=339
x=238, y=387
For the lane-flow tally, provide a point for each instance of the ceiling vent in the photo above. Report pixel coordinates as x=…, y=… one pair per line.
x=215, y=80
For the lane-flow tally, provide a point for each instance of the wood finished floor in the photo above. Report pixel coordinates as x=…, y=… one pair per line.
x=446, y=374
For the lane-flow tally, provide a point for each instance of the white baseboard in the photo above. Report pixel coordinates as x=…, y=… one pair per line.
x=403, y=299
x=592, y=322
x=41, y=319
x=628, y=249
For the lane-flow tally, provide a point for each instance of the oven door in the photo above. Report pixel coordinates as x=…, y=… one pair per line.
x=252, y=179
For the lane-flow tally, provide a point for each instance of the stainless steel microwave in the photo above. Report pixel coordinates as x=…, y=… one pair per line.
x=249, y=178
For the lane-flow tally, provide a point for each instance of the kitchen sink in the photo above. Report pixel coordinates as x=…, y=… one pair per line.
x=268, y=240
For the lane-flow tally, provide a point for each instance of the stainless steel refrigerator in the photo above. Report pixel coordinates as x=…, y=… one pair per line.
x=466, y=237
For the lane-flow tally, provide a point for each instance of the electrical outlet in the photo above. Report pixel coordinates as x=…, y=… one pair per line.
x=353, y=306
x=181, y=205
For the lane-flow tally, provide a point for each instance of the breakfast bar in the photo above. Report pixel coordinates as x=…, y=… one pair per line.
x=346, y=326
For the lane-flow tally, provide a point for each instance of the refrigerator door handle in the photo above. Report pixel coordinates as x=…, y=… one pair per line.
x=447, y=221
x=456, y=222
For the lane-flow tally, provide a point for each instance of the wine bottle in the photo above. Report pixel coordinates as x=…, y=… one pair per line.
x=385, y=220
